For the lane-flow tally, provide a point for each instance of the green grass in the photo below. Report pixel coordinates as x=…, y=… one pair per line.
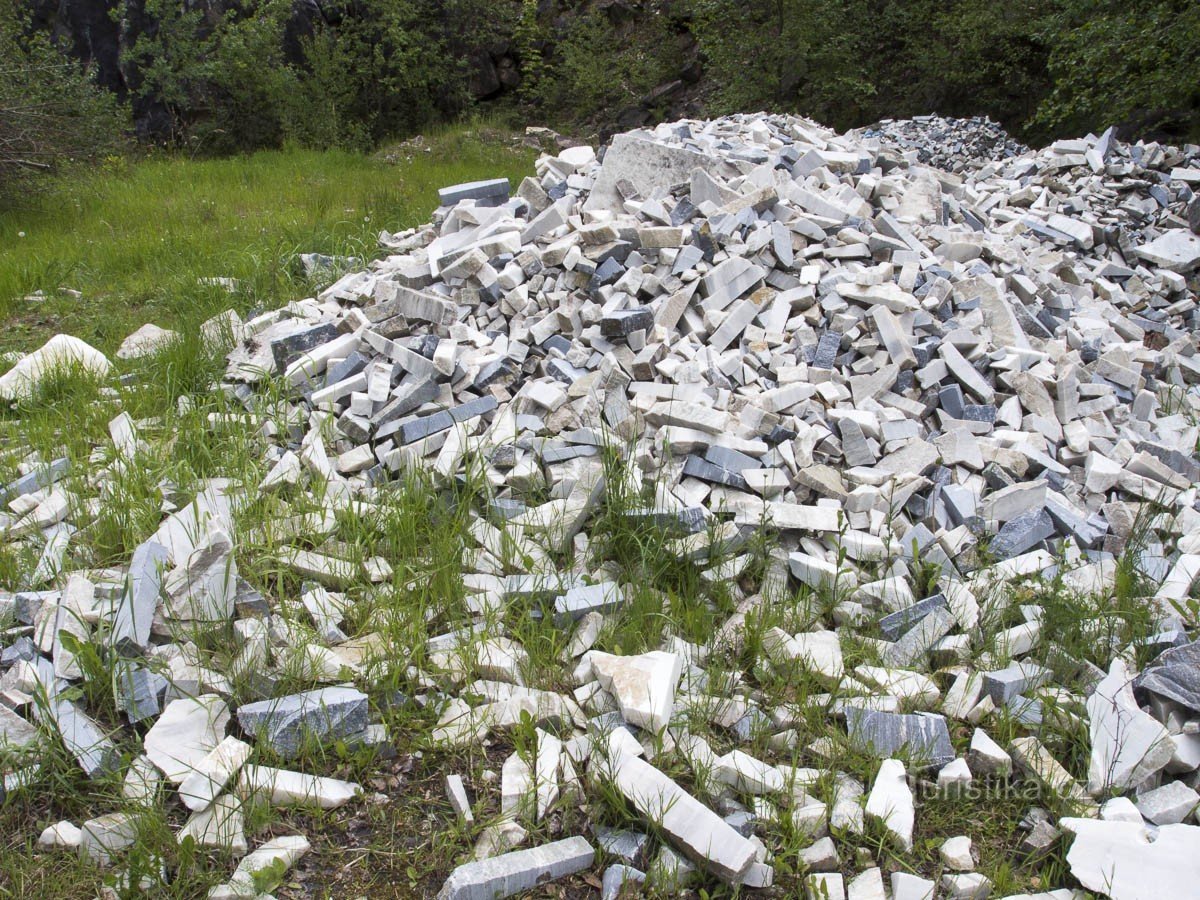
x=136, y=238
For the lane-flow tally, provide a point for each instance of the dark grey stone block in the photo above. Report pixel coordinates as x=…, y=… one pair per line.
x=1175, y=674
x=951, y=398
x=624, y=322
x=139, y=691
x=1021, y=534
x=894, y=625
x=493, y=191
x=730, y=459
x=286, y=723
x=286, y=350
x=706, y=471
x=922, y=737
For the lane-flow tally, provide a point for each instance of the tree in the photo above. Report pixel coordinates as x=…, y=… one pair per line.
x=1123, y=63
x=51, y=111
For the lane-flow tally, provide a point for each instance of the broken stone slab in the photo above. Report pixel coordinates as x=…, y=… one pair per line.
x=1128, y=745
x=282, y=787
x=105, y=836
x=518, y=871
x=1177, y=250
x=1169, y=804
x=220, y=825
x=923, y=738
x=489, y=192
x=187, y=731
x=691, y=826
x=1038, y=763
x=616, y=877
x=915, y=643
x=644, y=686
x=287, y=724
x=646, y=165
x=891, y=803
x=146, y=341
x=130, y=632
x=212, y=773
x=1175, y=674
x=894, y=625
x=1124, y=861
x=456, y=793
x=263, y=870
x=59, y=354
x=15, y=732
x=96, y=754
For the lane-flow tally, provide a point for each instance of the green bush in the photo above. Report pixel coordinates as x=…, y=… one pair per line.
x=1114, y=62
x=51, y=111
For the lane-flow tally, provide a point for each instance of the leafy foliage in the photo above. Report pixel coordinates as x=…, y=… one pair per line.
x=51, y=111
x=1123, y=62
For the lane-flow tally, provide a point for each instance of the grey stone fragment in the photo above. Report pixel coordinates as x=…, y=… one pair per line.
x=41, y=477
x=730, y=459
x=951, y=398
x=624, y=843
x=689, y=520
x=706, y=471
x=623, y=322
x=826, y=350
x=1175, y=674
x=922, y=737
x=518, y=871
x=286, y=723
x=82, y=737
x=492, y=191
x=896, y=624
x=140, y=691
x=15, y=732
x=855, y=449
x=409, y=398
x=131, y=624
x=583, y=599
x=423, y=426
x=616, y=877
x=22, y=648
x=646, y=165
x=917, y=641
x=1004, y=684
x=1022, y=534
x=287, y=349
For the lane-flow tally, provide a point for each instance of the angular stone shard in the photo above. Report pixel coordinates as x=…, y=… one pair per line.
x=518, y=871
x=287, y=723
x=644, y=685
x=891, y=802
x=922, y=737
x=1128, y=745
x=695, y=829
x=186, y=732
x=1122, y=860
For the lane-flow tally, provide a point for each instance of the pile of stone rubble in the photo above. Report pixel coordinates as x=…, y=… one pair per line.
x=948, y=143
x=895, y=369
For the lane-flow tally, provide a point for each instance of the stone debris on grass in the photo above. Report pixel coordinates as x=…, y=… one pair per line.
x=934, y=364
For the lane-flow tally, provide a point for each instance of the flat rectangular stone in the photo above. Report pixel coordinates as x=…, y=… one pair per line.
x=702, y=835
x=922, y=737
x=519, y=871
x=494, y=189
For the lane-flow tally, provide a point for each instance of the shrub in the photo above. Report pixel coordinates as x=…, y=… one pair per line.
x=51, y=111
